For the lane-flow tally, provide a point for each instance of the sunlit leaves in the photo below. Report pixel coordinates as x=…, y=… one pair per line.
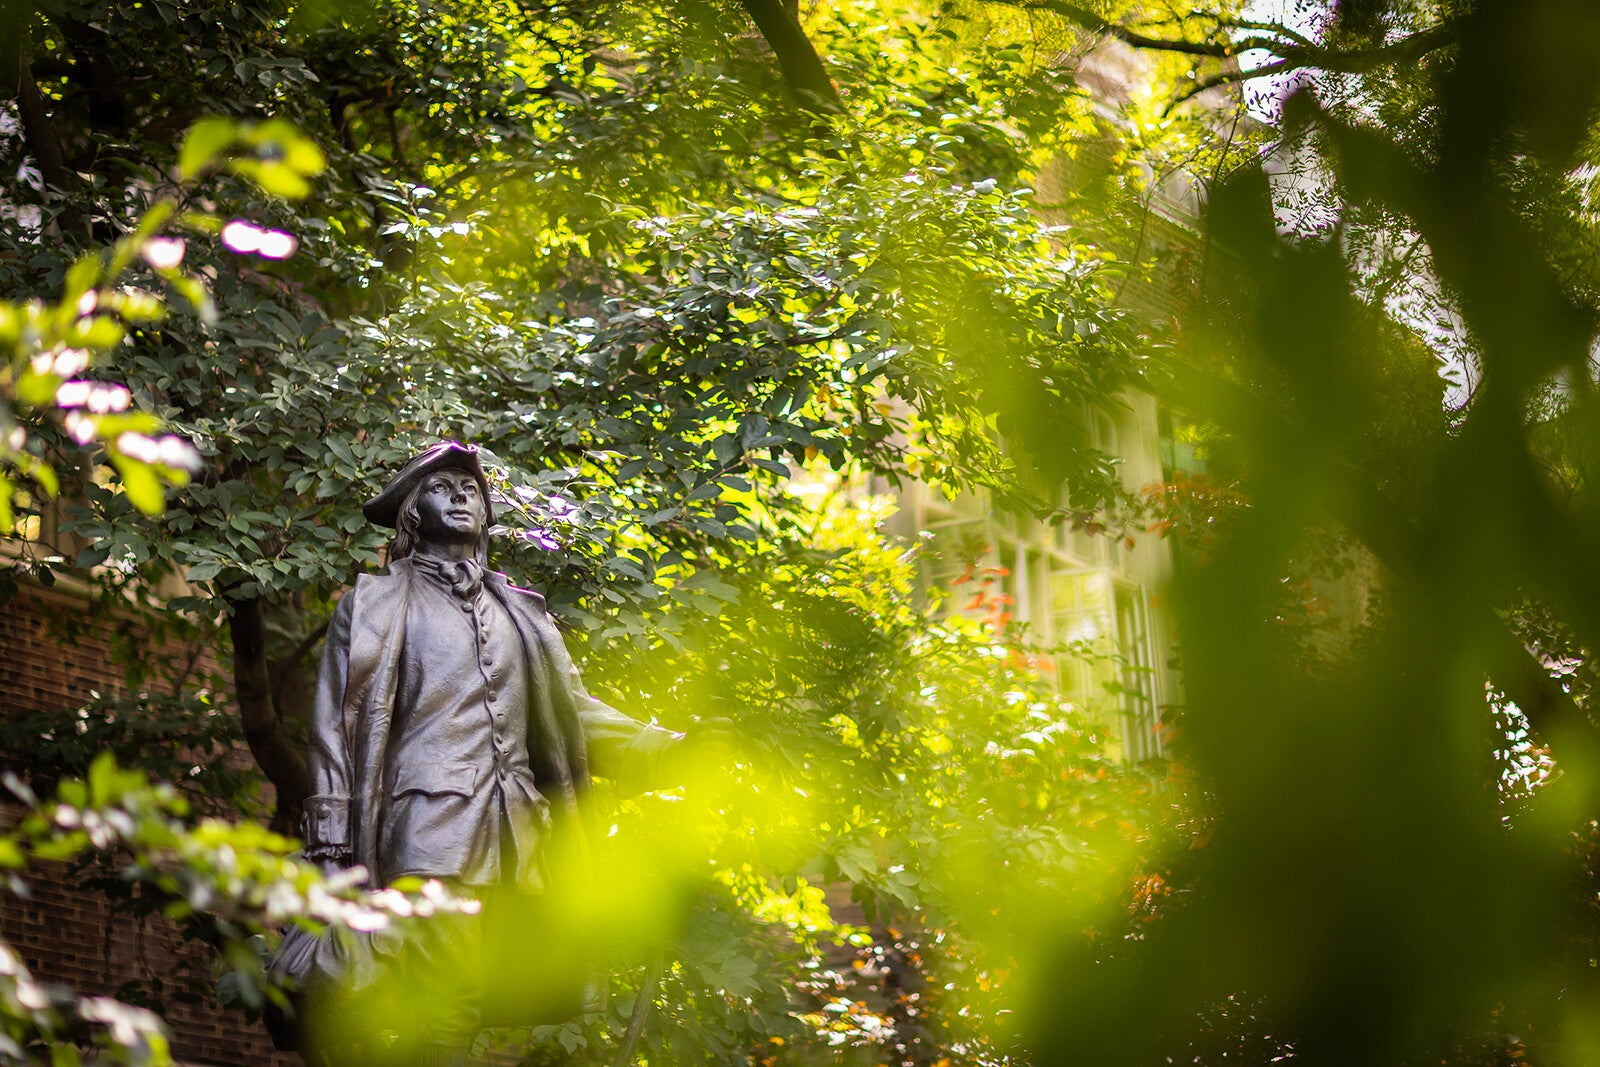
x=912, y=759
x=275, y=154
x=603, y=244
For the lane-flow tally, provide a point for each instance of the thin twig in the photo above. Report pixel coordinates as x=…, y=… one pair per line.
x=641, y=1009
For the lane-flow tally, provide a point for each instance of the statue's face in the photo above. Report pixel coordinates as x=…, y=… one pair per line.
x=450, y=507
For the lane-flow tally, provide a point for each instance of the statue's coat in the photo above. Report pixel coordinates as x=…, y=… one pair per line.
x=354, y=709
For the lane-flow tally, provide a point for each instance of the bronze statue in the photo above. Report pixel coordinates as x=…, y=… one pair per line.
x=451, y=738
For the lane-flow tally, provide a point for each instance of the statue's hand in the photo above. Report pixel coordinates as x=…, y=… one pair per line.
x=330, y=864
x=709, y=745
x=331, y=868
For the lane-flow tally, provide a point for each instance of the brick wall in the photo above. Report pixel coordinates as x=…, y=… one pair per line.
x=57, y=653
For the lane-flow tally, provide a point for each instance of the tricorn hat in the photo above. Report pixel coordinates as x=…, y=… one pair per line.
x=384, y=509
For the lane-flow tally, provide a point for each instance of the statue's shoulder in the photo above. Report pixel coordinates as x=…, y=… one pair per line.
x=397, y=572
x=375, y=589
x=531, y=596
x=526, y=597
x=395, y=568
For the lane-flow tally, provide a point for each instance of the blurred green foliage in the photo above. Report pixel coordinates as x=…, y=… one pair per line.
x=239, y=877
x=1390, y=360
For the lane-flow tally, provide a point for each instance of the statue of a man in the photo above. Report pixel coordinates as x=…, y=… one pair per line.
x=450, y=733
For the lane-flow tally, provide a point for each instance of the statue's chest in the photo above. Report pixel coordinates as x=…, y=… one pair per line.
x=463, y=662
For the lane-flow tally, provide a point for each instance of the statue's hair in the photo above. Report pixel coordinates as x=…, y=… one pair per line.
x=408, y=527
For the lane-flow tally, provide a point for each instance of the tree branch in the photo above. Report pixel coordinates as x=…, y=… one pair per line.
x=1357, y=60
x=1097, y=24
x=1228, y=77
x=1277, y=29
x=797, y=59
x=1291, y=48
x=307, y=643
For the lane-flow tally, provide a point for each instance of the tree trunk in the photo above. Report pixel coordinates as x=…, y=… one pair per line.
x=38, y=129
x=257, y=682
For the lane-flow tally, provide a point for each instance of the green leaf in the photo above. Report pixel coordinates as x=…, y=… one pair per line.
x=102, y=780
x=45, y=475
x=303, y=156
x=204, y=570
x=193, y=292
x=99, y=332
x=94, y=554
x=206, y=140
x=37, y=390
x=273, y=176
x=141, y=483
x=84, y=275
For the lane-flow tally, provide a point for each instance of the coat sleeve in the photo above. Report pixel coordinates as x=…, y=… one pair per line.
x=326, y=822
x=634, y=754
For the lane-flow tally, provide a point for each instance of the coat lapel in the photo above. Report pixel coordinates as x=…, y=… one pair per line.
x=377, y=638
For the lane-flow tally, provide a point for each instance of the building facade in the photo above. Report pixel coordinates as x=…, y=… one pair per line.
x=1090, y=602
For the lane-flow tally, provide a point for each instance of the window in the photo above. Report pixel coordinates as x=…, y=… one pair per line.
x=1073, y=590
